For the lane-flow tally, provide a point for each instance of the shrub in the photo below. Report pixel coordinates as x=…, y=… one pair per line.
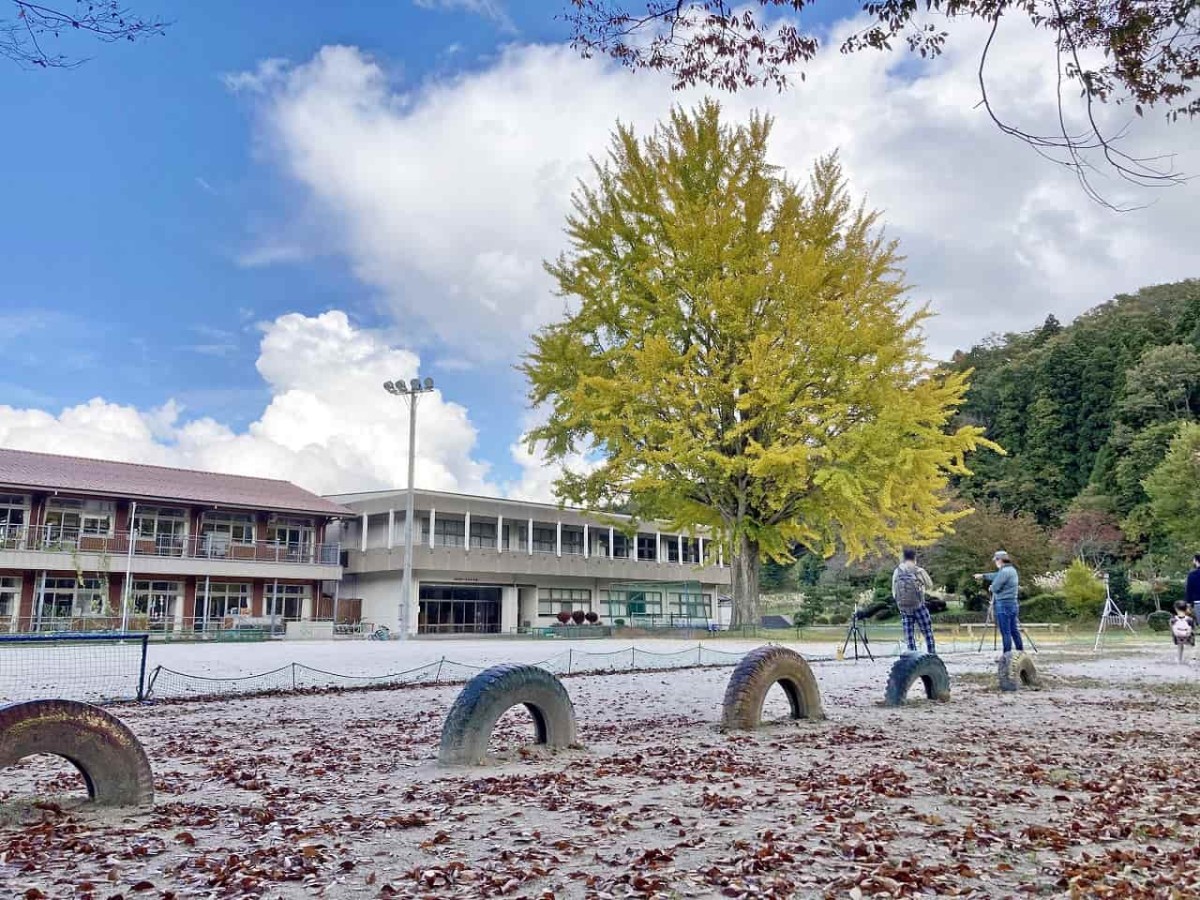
x=1083, y=591
x=803, y=617
x=578, y=616
x=620, y=623
x=564, y=617
x=1046, y=608
x=592, y=617
x=1159, y=621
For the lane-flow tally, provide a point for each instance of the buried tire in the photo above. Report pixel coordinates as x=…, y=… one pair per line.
x=1016, y=670
x=493, y=692
x=107, y=754
x=754, y=676
x=927, y=667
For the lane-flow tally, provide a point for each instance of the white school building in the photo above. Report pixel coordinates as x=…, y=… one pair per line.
x=485, y=565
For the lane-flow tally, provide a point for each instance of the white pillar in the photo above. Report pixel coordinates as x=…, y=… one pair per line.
x=391, y=542
x=467, y=532
x=700, y=541
x=585, y=541
x=679, y=544
x=509, y=612
x=720, y=556
x=530, y=538
x=499, y=534
x=432, y=523
x=612, y=547
x=558, y=538
x=363, y=542
x=658, y=546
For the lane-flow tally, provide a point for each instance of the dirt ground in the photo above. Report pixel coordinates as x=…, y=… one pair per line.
x=1089, y=788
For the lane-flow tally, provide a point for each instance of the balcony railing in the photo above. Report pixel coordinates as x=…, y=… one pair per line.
x=52, y=539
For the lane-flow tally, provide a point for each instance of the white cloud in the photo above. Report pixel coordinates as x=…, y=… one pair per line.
x=488, y=9
x=445, y=197
x=329, y=425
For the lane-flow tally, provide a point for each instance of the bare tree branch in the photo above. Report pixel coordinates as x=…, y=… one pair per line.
x=24, y=38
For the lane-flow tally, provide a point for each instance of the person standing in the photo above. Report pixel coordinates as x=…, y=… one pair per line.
x=1192, y=591
x=1183, y=628
x=1005, y=605
x=909, y=584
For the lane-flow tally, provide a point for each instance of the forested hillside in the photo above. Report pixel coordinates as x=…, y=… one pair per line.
x=1086, y=411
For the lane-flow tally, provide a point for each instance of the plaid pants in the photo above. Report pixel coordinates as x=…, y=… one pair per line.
x=919, y=617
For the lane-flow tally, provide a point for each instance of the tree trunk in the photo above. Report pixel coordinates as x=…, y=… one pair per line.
x=745, y=583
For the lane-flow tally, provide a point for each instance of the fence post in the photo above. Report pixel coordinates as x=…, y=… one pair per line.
x=633, y=657
x=141, y=688
x=438, y=675
x=698, y=653
x=293, y=676
x=570, y=654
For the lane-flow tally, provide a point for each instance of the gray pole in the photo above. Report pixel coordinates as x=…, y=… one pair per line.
x=406, y=585
x=129, y=571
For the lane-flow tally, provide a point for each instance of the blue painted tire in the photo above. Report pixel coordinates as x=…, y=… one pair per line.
x=927, y=667
x=490, y=694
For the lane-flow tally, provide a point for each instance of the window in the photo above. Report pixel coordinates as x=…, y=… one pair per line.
x=14, y=509
x=647, y=551
x=62, y=598
x=286, y=601
x=449, y=532
x=66, y=519
x=572, y=541
x=296, y=535
x=552, y=601
x=221, y=529
x=691, y=550
x=516, y=536
x=157, y=600
x=483, y=534
x=545, y=540
x=216, y=600
x=620, y=546
x=689, y=606
x=625, y=604
x=167, y=528
x=10, y=595
x=672, y=548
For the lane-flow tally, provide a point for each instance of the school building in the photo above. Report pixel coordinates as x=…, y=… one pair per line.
x=487, y=565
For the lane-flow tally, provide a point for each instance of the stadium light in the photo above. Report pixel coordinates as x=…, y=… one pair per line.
x=409, y=392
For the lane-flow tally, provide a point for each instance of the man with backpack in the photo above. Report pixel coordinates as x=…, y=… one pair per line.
x=909, y=584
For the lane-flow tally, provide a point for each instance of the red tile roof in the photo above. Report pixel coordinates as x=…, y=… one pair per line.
x=100, y=477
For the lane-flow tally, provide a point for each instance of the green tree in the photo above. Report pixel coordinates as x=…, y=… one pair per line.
x=1082, y=589
x=1174, y=501
x=959, y=555
x=740, y=355
x=1160, y=387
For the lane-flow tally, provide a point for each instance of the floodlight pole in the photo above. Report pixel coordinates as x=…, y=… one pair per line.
x=410, y=392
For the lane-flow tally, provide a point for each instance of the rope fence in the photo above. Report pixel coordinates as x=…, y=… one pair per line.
x=165, y=683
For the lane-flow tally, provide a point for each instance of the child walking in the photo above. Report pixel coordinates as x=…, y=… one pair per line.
x=1183, y=628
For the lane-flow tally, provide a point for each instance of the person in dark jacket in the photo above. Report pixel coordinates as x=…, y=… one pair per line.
x=1193, y=587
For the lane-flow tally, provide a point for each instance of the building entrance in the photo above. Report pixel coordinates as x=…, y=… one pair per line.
x=458, y=609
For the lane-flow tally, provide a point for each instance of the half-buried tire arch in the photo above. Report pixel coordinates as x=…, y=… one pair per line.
x=107, y=754
x=910, y=667
x=493, y=692
x=754, y=676
x=1016, y=670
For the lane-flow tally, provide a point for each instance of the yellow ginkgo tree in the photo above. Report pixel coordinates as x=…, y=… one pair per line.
x=738, y=353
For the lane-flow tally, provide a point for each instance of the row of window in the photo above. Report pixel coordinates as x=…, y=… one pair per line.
x=164, y=525
x=64, y=598
x=448, y=532
x=625, y=604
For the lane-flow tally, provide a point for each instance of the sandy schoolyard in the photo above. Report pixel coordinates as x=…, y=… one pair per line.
x=1086, y=788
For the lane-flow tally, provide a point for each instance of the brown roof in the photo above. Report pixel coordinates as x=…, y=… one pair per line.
x=73, y=474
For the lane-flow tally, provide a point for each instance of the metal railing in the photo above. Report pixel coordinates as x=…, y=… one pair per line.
x=53, y=539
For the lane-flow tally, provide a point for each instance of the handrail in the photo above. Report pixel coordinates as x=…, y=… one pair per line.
x=207, y=545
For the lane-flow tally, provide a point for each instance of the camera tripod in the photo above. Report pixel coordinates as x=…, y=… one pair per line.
x=856, y=633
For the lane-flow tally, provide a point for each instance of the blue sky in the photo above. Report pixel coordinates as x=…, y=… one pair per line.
x=133, y=190
x=178, y=215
